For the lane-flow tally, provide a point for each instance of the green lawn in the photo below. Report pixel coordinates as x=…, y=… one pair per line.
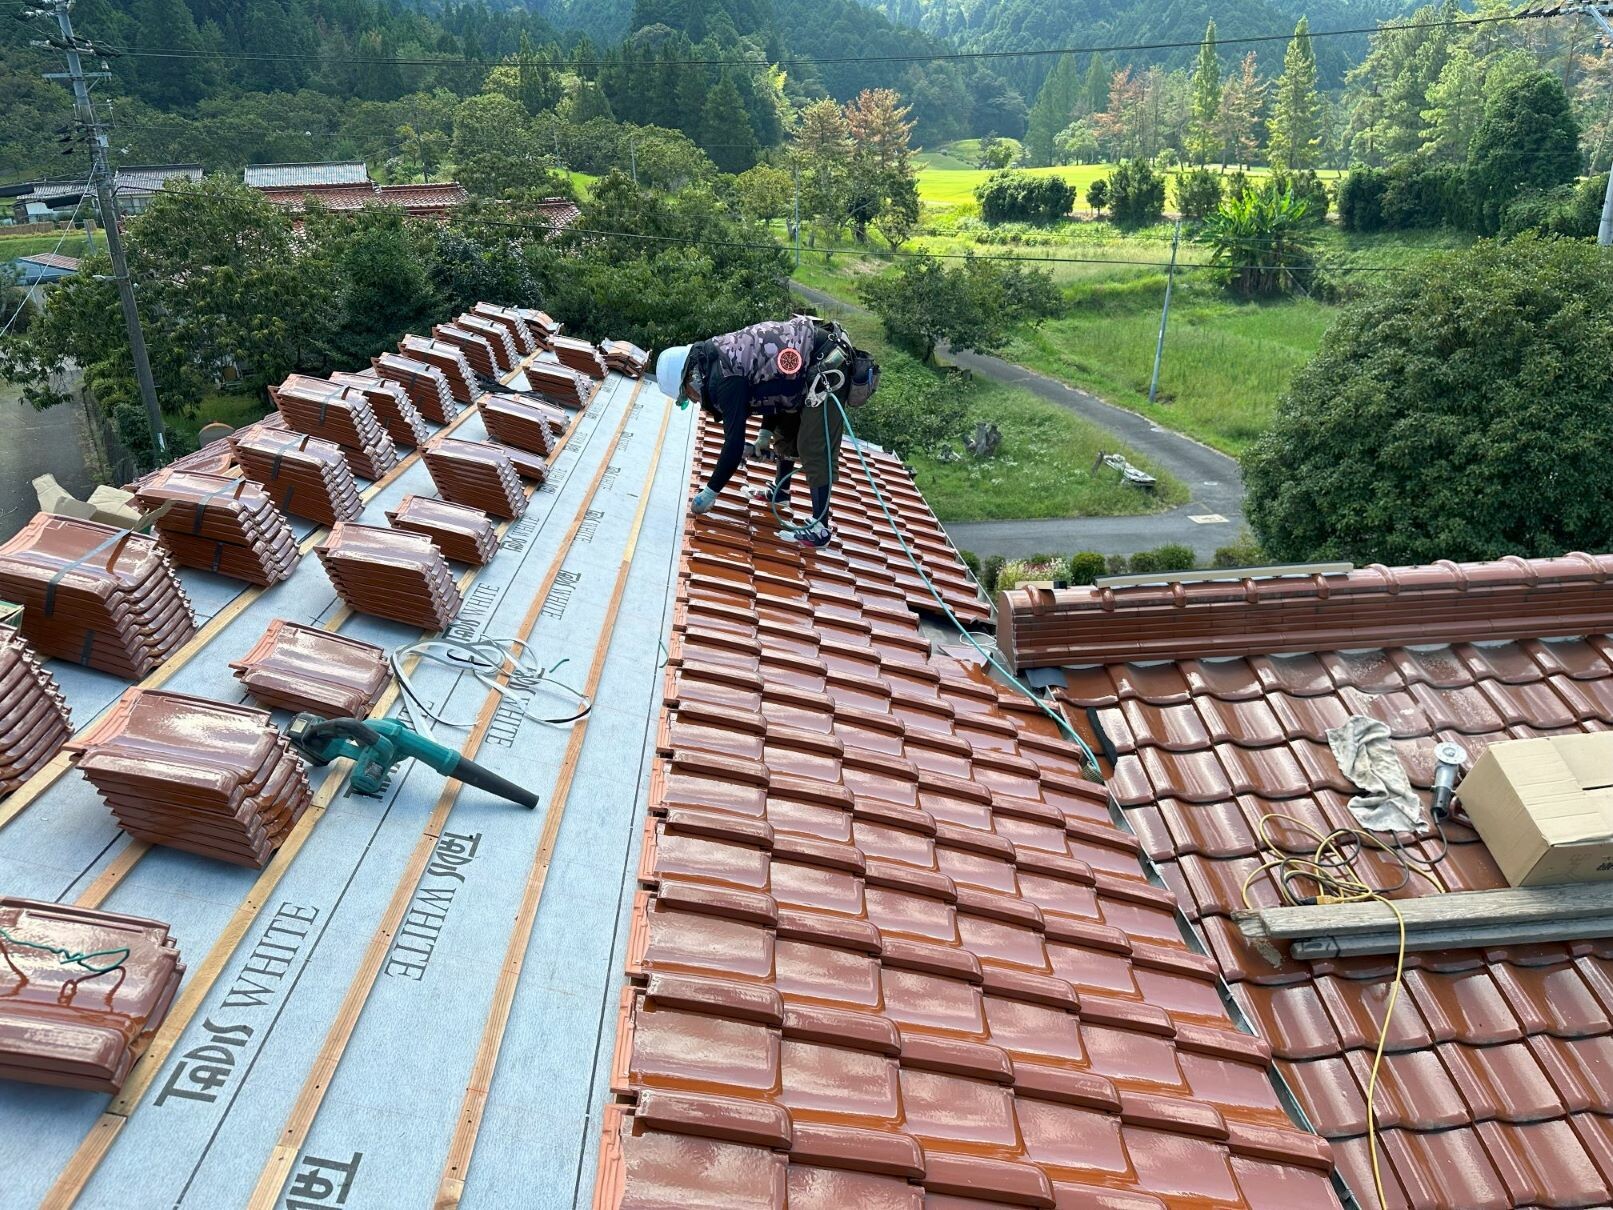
x=236, y=409
x=13, y=246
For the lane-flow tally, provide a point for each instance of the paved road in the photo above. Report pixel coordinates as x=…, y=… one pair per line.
x=1211, y=476
x=37, y=443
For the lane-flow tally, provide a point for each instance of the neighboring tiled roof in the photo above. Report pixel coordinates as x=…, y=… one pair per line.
x=558, y=211
x=890, y=949
x=151, y=178
x=435, y=196
x=341, y=172
x=418, y=200
x=1498, y=1087
x=53, y=260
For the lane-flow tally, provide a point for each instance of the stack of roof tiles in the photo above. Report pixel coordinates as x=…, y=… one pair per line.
x=34, y=721
x=208, y=777
x=496, y=334
x=391, y=404
x=510, y=319
x=521, y=423
x=862, y=535
x=462, y=533
x=223, y=525
x=336, y=413
x=476, y=473
x=891, y=950
x=304, y=476
x=447, y=358
x=544, y=328
x=428, y=387
x=391, y=574
x=478, y=350
x=214, y=458
x=95, y=595
x=578, y=355
x=560, y=384
x=625, y=358
x=81, y=1024
x=1496, y=1089
x=301, y=668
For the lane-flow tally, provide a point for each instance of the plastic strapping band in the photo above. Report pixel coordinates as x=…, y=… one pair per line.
x=123, y=535
x=201, y=505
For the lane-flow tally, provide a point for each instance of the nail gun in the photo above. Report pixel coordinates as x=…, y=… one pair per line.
x=378, y=746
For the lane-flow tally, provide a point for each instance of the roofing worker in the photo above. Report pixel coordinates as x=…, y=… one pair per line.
x=789, y=373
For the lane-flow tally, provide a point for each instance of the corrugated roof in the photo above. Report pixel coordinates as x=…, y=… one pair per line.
x=53, y=260
x=151, y=178
x=1498, y=1086
x=890, y=950
x=334, y=172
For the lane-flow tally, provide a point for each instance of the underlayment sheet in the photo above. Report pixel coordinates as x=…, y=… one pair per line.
x=58, y=845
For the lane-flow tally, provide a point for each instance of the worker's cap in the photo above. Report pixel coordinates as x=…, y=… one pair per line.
x=669, y=370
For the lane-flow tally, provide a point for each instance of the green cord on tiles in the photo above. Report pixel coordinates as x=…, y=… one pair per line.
x=73, y=957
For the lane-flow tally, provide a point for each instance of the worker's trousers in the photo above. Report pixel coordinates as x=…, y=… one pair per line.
x=811, y=437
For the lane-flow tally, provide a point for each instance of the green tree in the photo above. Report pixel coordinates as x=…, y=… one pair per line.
x=493, y=152
x=764, y=192
x=972, y=306
x=900, y=215
x=821, y=152
x=1198, y=193
x=1055, y=105
x=1404, y=62
x=536, y=86
x=725, y=129
x=1202, y=138
x=1528, y=140
x=1261, y=236
x=881, y=166
x=382, y=261
x=169, y=83
x=1463, y=410
x=1098, y=195
x=1136, y=194
x=1295, y=126
x=1237, y=124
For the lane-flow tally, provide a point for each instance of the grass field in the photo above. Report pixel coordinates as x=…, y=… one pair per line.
x=13, y=246
x=235, y=409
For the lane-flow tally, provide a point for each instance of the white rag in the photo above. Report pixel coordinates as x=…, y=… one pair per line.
x=1365, y=755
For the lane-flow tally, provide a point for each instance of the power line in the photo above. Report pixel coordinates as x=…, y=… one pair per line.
x=29, y=296
x=158, y=52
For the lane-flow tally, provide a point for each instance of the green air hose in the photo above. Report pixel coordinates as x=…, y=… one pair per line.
x=780, y=484
x=73, y=957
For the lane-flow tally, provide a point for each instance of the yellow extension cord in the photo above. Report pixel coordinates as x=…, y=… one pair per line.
x=1338, y=881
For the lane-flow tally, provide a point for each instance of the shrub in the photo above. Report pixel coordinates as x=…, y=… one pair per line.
x=972, y=562
x=1173, y=556
x=1245, y=552
x=1116, y=565
x=1136, y=194
x=1434, y=195
x=1456, y=411
x=1361, y=199
x=1527, y=140
x=1086, y=566
x=1260, y=238
x=1306, y=186
x=1022, y=197
x=1098, y=195
x=1198, y=193
x=915, y=411
x=990, y=573
x=1021, y=571
x=1570, y=210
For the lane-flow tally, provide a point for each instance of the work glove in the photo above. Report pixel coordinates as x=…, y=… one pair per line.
x=702, y=502
x=762, y=447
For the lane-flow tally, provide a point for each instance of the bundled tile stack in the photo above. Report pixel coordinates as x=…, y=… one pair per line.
x=516, y=422
x=228, y=526
x=519, y=330
x=427, y=385
x=391, y=404
x=560, y=384
x=478, y=351
x=305, y=476
x=81, y=1023
x=544, y=329
x=335, y=413
x=94, y=595
x=391, y=574
x=578, y=355
x=504, y=348
x=625, y=358
x=447, y=358
x=214, y=458
x=462, y=533
x=301, y=668
x=208, y=777
x=477, y=474
x=34, y=721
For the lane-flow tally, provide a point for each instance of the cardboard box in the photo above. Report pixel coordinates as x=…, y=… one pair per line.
x=1545, y=807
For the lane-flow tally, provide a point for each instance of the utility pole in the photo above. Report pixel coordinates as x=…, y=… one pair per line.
x=1165, y=313
x=632, y=152
x=100, y=177
x=795, y=216
x=1604, y=233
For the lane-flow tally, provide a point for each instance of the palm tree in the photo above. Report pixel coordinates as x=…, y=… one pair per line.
x=1261, y=236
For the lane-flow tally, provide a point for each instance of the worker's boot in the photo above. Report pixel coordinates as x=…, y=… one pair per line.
x=815, y=536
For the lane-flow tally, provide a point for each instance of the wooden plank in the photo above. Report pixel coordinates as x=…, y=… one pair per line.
x=463, y=1144
x=305, y=1109
x=1513, y=905
x=29, y=792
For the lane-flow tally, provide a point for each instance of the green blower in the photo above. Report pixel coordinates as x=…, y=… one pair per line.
x=378, y=746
